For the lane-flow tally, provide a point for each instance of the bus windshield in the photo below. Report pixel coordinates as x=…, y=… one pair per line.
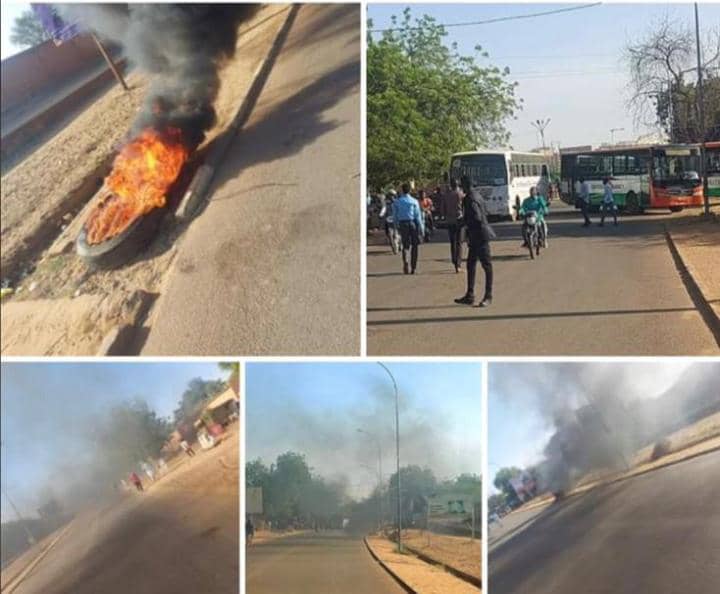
x=483, y=170
x=676, y=165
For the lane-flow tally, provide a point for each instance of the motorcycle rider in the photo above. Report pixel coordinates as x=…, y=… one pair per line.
x=534, y=203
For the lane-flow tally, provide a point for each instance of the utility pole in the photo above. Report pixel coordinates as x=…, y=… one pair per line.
x=701, y=115
x=612, y=134
x=397, y=456
x=540, y=126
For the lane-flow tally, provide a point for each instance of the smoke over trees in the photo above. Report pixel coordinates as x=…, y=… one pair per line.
x=292, y=494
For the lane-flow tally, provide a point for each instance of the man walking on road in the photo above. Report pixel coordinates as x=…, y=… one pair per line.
x=608, y=202
x=479, y=235
x=585, y=200
x=451, y=209
x=408, y=217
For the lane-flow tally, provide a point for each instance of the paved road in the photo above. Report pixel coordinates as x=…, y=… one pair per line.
x=657, y=533
x=499, y=532
x=328, y=562
x=272, y=264
x=596, y=291
x=182, y=535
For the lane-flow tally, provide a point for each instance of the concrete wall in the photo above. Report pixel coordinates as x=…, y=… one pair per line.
x=46, y=66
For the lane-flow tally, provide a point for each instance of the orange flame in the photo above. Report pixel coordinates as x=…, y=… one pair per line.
x=142, y=173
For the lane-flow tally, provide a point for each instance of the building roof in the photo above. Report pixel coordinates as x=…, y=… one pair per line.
x=221, y=399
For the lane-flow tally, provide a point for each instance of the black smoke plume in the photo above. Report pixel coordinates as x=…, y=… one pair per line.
x=182, y=46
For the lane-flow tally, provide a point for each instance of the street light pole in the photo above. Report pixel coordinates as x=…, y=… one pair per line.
x=612, y=134
x=701, y=115
x=397, y=455
x=540, y=126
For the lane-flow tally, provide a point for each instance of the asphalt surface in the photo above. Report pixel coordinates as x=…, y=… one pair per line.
x=328, y=562
x=658, y=533
x=594, y=291
x=181, y=535
x=272, y=265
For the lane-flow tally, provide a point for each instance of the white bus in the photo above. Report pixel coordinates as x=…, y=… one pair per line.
x=502, y=177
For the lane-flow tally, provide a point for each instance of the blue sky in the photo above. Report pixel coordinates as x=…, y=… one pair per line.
x=520, y=396
x=540, y=52
x=46, y=407
x=316, y=409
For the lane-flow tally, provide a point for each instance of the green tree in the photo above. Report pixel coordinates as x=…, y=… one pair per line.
x=496, y=503
x=256, y=474
x=27, y=30
x=502, y=482
x=425, y=101
x=198, y=391
x=416, y=484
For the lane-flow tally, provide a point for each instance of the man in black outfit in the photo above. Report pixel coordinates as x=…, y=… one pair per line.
x=479, y=235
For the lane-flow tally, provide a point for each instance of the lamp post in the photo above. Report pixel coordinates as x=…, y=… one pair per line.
x=397, y=454
x=380, y=473
x=612, y=134
x=540, y=126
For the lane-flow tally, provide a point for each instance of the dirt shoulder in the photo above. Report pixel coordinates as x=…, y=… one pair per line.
x=421, y=577
x=31, y=326
x=462, y=554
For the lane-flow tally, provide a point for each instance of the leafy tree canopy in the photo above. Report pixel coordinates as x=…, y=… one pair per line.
x=425, y=101
x=27, y=30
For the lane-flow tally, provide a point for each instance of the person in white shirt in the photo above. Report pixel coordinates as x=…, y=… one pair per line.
x=585, y=200
x=608, y=202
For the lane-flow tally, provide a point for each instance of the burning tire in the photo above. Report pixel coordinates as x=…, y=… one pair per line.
x=120, y=249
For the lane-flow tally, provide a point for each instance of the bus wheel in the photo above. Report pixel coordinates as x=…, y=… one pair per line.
x=676, y=208
x=632, y=205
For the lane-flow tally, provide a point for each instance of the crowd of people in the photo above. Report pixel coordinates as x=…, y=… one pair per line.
x=409, y=218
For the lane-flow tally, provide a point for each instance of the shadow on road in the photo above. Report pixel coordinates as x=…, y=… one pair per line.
x=527, y=316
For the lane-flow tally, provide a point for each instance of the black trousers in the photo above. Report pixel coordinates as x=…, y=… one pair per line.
x=410, y=236
x=454, y=237
x=584, y=207
x=479, y=250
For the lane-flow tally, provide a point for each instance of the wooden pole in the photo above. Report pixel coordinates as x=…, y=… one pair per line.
x=110, y=63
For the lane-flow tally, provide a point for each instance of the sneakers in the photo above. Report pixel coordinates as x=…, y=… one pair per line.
x=465, y=300
x=485, y=302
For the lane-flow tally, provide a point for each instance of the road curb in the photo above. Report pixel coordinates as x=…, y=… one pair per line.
x=466, y=577
x=404, y=585
x=17, y=580
x=197, y=190
x=702, y=304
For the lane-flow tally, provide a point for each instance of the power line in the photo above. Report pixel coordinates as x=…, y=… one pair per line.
x=495, y=20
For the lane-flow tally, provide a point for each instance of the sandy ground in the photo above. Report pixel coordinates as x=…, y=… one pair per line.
x=65, y=276
x=460, y=553
x=180, y=535
x=420, y=576
x=40, y=183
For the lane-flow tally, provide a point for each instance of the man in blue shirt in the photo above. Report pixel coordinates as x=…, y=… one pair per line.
x=408, y=218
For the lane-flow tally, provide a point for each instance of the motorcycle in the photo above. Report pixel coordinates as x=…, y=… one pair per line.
x=532, y=232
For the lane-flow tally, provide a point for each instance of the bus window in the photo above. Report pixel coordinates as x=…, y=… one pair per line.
x=619, y=165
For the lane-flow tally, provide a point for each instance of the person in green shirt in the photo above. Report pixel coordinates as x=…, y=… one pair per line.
x=538, y=204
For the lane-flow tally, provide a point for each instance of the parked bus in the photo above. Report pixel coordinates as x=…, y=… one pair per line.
x=503, y=178
x=712, y=154
x=663, y=176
